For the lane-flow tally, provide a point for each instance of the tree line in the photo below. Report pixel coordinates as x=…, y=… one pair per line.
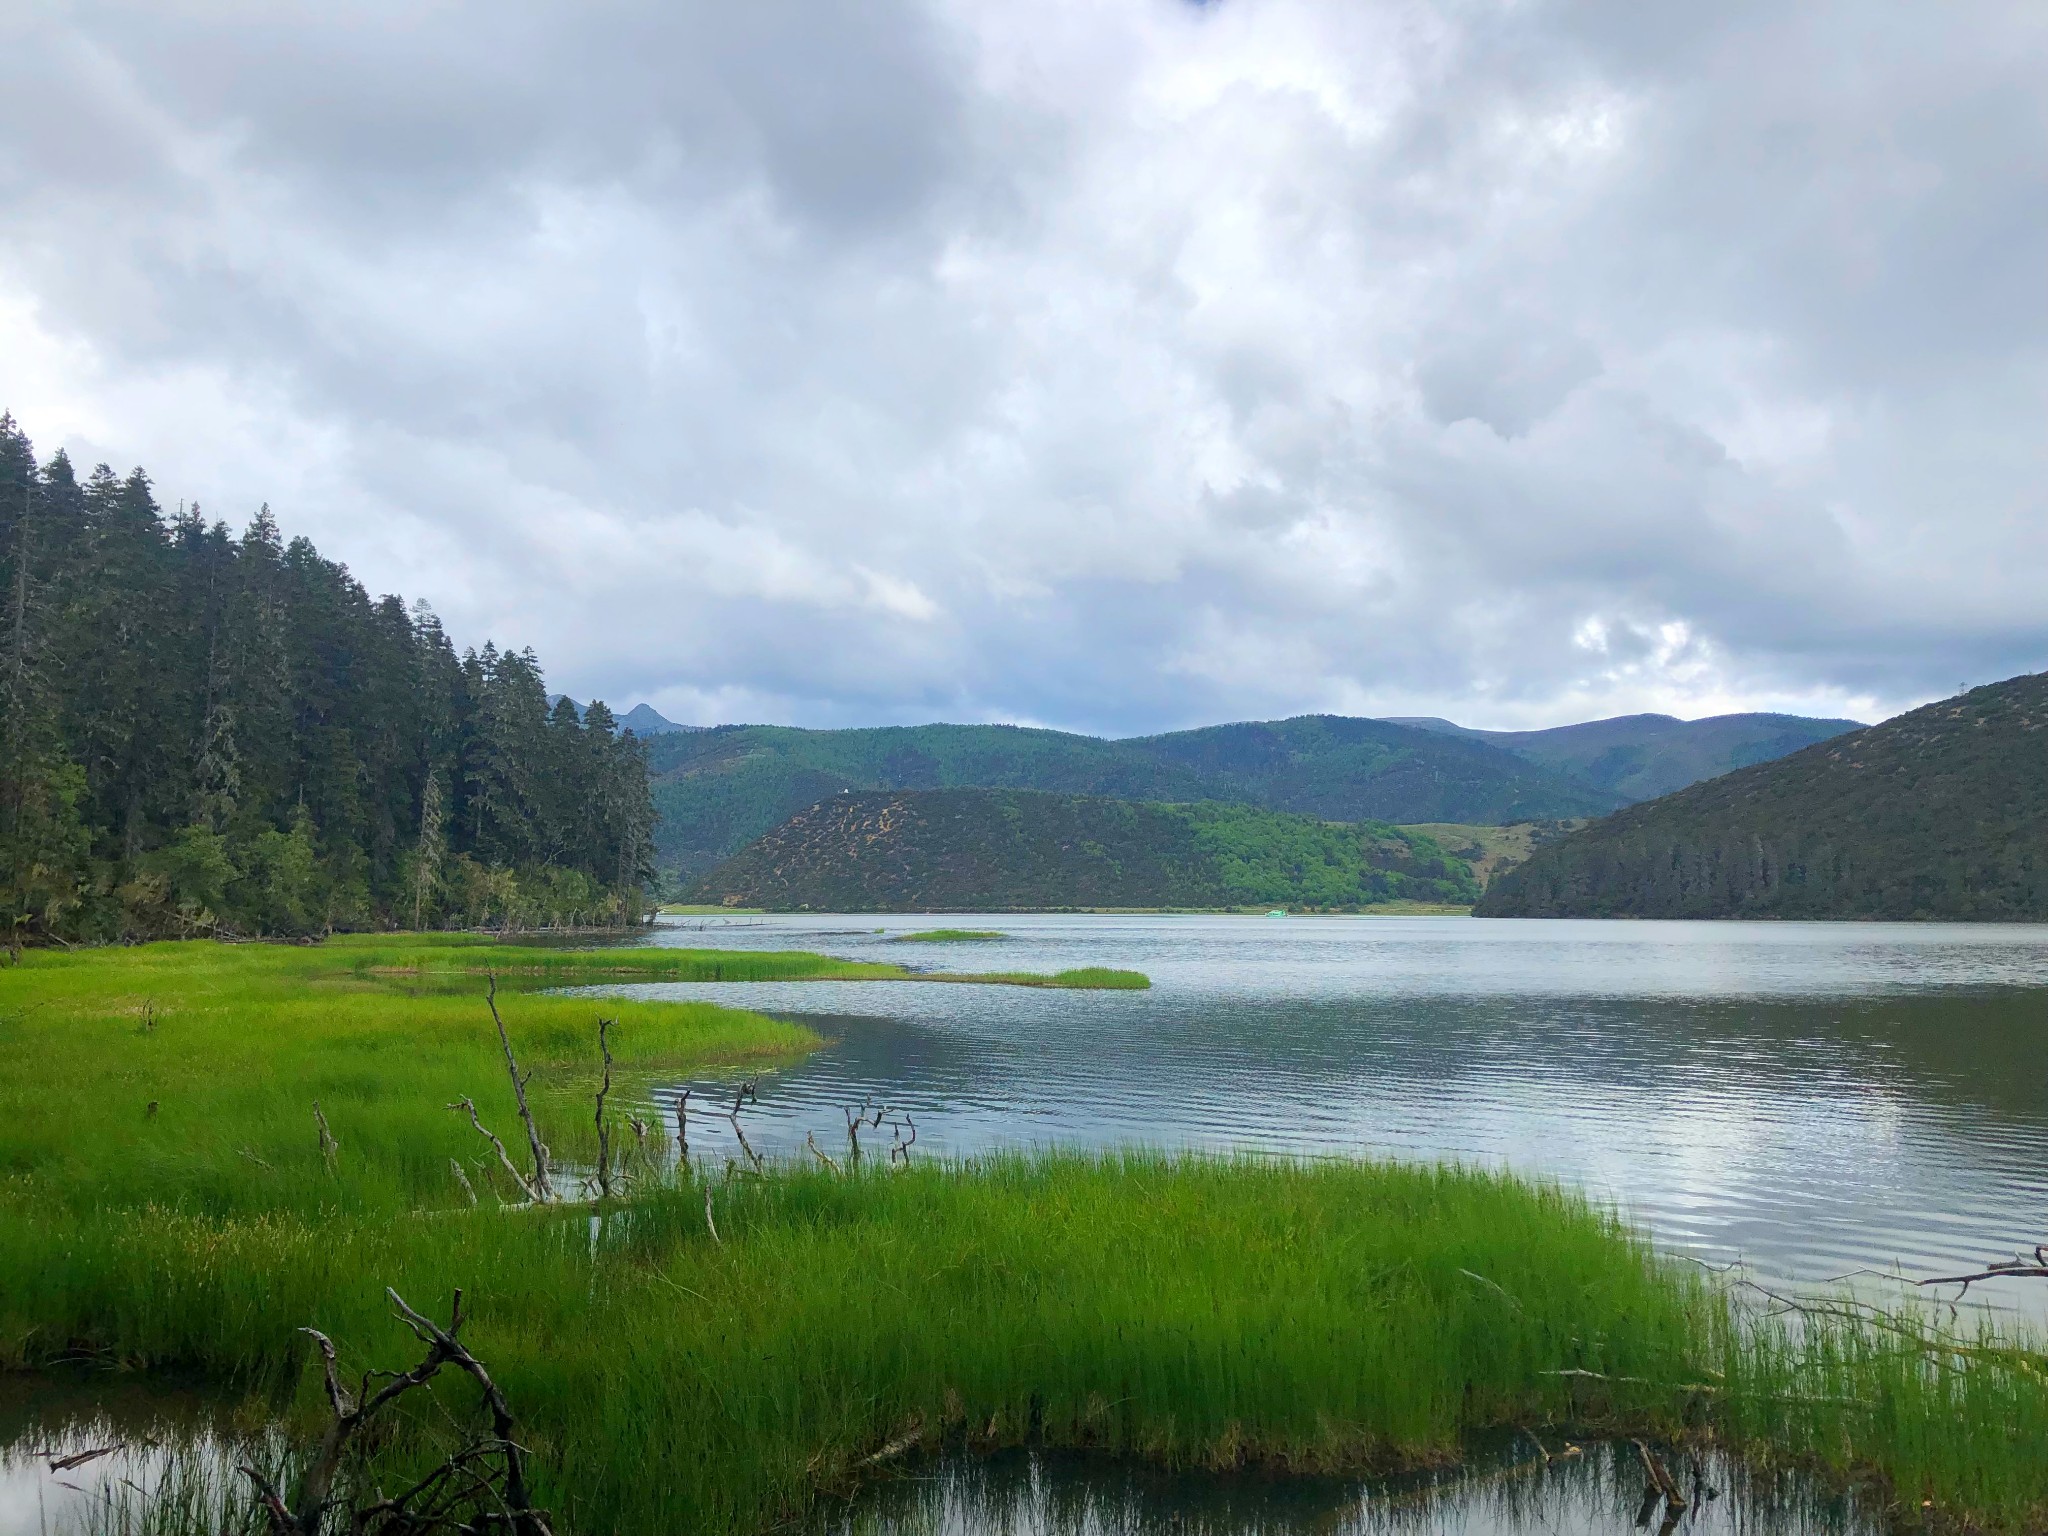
x=206, y=733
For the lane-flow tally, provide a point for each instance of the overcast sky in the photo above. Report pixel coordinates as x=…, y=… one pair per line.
x=1109, y=364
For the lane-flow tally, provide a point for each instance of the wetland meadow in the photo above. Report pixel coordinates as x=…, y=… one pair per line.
x=1101, y=1255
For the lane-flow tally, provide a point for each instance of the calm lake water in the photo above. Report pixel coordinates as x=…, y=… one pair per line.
x=1813, y=1098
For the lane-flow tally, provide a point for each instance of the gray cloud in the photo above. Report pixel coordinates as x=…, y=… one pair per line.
x=1113, y=366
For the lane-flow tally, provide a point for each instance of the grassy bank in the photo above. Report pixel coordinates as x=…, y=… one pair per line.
x=1203, y=1312
x=1327, y=1314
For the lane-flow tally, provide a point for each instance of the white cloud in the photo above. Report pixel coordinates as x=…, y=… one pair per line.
x=1119, y=365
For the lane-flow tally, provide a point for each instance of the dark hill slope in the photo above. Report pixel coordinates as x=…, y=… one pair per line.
x=1347, y=769
x=720, y=789
x=1639, y=757
x=717, y=790
x=1004, y=850
x=1942, y=812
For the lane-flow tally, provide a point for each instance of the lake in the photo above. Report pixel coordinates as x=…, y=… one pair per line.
x=1813, y=1098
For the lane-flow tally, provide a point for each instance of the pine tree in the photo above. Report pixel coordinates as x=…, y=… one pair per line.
x=200, y=732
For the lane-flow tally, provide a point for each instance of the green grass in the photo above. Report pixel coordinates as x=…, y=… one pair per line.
x=233, y=1044
x=1197, y=1311
x=1088, y=978
x=1200, y=1311
x=948, y=936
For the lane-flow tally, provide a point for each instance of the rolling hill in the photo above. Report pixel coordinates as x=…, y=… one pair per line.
x=1939, y=813
x=717, y=790
x=1640, y=757
x=1004, y=850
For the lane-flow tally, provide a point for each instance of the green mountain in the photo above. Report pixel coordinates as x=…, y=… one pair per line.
x=718, y=790
x=1640, y=757
x=1003, y=850
x=1940, y=813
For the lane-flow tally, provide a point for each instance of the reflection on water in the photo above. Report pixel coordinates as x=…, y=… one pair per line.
x=1514, y=1491
x=1814, y=1097
x=102, y=1454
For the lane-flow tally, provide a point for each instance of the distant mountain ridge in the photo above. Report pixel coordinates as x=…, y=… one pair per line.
x=1640, y=757
x=1005, y=850
x=1939, y=813
x=642, y=719
x=719, y=789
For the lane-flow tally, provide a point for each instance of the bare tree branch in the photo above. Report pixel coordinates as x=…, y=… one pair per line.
x=504, y=1157
x=541, y=1185
x=329, y=1147
x=604, y=1131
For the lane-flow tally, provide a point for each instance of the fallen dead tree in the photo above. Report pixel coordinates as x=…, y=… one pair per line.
x=479, y=1487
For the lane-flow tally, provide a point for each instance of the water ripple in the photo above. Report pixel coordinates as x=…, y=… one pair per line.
x=1815, y=1098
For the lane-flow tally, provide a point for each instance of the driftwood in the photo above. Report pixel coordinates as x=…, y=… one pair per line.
x=481, y=1487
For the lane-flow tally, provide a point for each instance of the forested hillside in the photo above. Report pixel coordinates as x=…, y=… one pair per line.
x=717, y=790
x=1942, y=812
x=203, y=732
x=1640, y=757
x=1001, y=850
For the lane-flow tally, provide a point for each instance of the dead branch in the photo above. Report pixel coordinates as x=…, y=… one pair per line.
x=1660, y=1479
x=2034, y=1267
x=683, y=1129
x=462, y=1178
x=460, y=1495
x=811, y=1141
x=901, y=1148
x=329, y=1147
x=746, y=1094
x=504, y=1157
x=604, y=1132
x=80, y=1458
x=707, y=1218
x=541, y=1185
x=862, y=1114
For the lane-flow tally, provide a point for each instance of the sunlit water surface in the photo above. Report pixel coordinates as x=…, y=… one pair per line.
x=1813, y=1098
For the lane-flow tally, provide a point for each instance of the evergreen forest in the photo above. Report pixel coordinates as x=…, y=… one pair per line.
x=206, y=733
x=1938, y=813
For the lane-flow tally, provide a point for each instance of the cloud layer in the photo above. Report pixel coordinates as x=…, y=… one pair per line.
x=1111, y=365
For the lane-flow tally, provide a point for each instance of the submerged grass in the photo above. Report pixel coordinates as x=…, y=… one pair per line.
x=1312, y=1315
